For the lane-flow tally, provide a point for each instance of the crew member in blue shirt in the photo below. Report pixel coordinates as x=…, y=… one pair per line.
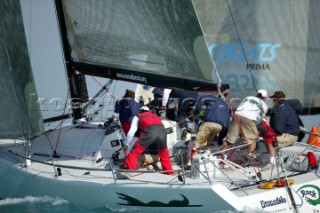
x=284, y=121
x=185, y=100
x=127, y=108
x=216, y=118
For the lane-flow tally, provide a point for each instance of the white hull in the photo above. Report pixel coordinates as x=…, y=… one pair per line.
x=88, y=183
x=105, y=194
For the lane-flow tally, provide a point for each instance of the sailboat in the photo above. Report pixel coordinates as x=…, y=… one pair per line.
x=156, y=43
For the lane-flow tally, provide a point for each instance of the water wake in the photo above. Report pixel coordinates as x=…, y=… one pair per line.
x=30, y=199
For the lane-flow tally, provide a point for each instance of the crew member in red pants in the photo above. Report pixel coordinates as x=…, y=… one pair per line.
x=152, y=131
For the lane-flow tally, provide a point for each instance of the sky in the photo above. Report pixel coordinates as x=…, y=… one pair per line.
x=46, y=57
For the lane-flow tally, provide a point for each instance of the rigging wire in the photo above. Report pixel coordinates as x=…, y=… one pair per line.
x=98, y=98
x=294, y=41
x=64, y=110
x=241, y=44
x=30, y=12
x=213, y=62
x=107, y=91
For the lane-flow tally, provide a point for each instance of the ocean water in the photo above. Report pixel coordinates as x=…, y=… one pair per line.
x=46, y=204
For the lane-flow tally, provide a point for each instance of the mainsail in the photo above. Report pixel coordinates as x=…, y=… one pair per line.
x=158, y=43
x=19, y=111
x=274, y=44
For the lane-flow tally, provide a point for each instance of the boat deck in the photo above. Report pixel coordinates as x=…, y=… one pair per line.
x=242, y=181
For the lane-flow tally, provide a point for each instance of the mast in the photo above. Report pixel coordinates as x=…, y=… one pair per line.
x=76, y=80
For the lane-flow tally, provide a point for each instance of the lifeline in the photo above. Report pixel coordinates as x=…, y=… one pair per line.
x=277, y=201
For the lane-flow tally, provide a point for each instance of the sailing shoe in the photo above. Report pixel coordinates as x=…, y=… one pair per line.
x=252, y=157
x=221, y=156
x=205, y=153
x=184, y=134
x=150, y=167
x=248, y=158
x=156, y=167
x=122, y=175
x=267, y=166
x=221, y=164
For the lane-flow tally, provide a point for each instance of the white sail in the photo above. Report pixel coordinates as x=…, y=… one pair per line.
x=258, y=44
x=19, y=111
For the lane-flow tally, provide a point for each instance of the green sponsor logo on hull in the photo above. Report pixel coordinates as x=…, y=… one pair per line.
x=310, y=193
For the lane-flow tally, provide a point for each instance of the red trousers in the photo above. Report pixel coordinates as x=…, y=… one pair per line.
x=132, y=158
x=269, y=135
x=126, y=126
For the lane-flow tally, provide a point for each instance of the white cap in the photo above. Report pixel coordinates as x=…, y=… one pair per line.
x=144, y=108
x=263, y=93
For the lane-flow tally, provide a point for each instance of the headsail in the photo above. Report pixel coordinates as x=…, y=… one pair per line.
x=277, y=41
x=158, y=43
x=19, y=111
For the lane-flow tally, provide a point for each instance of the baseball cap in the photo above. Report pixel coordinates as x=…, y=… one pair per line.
x=278, y=95
x=144, y=108
x=263, y=93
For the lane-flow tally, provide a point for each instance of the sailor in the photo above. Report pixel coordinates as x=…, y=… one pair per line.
x=284, y=121
x=156, y=103
x=149, y=158
x=161, y=104
x=216, y=118
x=127, y=107
x=248, y=114
x=152, y=132
x=185, y=102
x=298, y=108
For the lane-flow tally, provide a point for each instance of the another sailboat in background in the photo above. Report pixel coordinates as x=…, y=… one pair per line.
x=156, y=43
